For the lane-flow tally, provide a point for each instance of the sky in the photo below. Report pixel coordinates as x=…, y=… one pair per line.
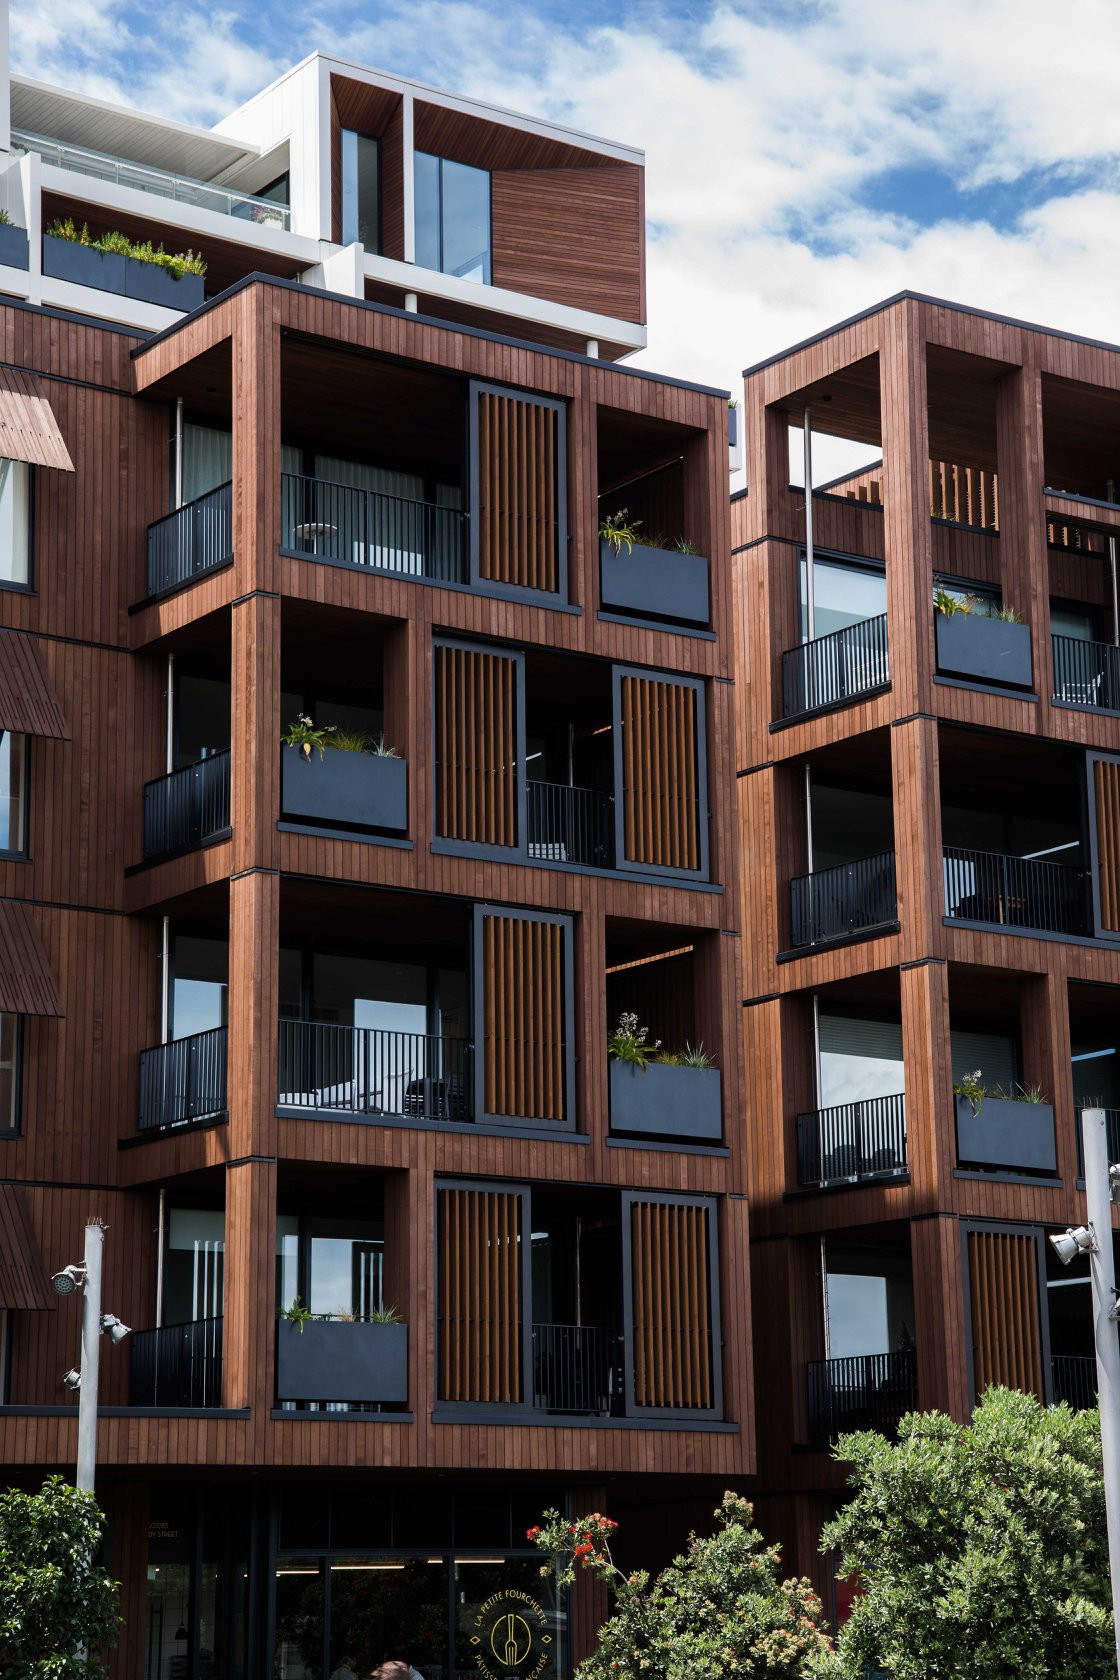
x=804, y=158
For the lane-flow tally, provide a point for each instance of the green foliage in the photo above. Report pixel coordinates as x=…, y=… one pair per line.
x=617, y=529
x=980, y=1550
x=307, y=736
x=627, y=1042
x=384, y=1315
x=684, y=546
x=1008, y=615
x=692, y=1056
x=297, y=1313
x=718, y=1610
x=948, y=603
x=971, y=1087
x=119, y=244
x=66, y=228
x=5, y=219
x=53, y=1597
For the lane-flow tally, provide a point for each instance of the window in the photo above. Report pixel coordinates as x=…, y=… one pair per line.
x=10, y=1036
x=842, y=595
x=452, y=217
x=860, y=1059
x=13, y=792
x=15, y=497
x=200, y=985
x=194, y=1264
x=361, y=190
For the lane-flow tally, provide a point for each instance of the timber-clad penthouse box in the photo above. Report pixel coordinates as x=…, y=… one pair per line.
x=349, y=802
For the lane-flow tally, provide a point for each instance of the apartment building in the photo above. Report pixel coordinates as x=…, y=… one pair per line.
x=322, y=1035
x=928, y=692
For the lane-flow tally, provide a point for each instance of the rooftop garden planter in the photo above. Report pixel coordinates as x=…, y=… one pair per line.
x=654, y=582
x=683, y=1103
x=357, y=789
x=985, y=650
x=110, y=271
x=346, y=1360
x=1006, y=1136
x=13, y=246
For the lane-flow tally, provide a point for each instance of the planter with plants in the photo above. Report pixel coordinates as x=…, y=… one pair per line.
x=14, y=250
x=979, y=646
x=131, y=268
x=733, y=424
x=1008, y=1131
x=652, y=579
x=342, y=777
x=662, y=1093
x=341, y=1358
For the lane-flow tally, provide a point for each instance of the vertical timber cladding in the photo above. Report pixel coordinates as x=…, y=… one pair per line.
x=1004, y=1306
x=523, y=1008
x=478, y=735
x=660, y=767
x=519, y=525
x=480, y=1272
x=1106, y=828
x=674, y=1320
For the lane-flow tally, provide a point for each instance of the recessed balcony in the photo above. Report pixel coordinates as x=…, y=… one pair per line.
x=852, y=1143
x=191, y=541
x=188, y=807
x=178, y=1366
x=848, y=901
x=183, y=1082
x=866, y=1391
x=848, y=664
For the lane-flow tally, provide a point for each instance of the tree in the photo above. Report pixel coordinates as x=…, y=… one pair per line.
x=980, y=1550
x=719, y=1610
x=53, y=1597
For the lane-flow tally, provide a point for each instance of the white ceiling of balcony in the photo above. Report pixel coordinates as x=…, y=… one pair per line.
x=176, y=147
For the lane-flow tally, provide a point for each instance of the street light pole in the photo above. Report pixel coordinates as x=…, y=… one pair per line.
x=91, y=1356
x=1102, y=1265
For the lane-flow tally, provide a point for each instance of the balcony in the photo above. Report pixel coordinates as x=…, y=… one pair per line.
x=1006, y=1134
x=342, y=1362
x=833, y=670
x=178, y=1366
x=1074, y=1380
x=371, y=1073
x=981, y=648
x=190, y=542
x=1032, y=894
x=868, y=1391
x=845, y=902
x=183, y=1082
x=852, y=1142
x=180, y=189
x=350, y=527
x=570, y=824
x=578, y=1368
x=188, y=807
x=1086, y=674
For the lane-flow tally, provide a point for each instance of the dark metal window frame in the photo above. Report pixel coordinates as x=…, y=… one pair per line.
x=478, y=848
x=22, y=852
x=1007, y=1229
x=15, y=1130
x=487, y=586
x=479, y=1408
x=628, y=1199
x=489, y=173
x=478, y=1016
x=377, y=139
x=27, y=587
x=699, y=686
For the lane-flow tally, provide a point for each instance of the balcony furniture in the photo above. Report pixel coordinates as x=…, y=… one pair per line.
x=354, y=527
x=178, y=1366
x=1073, y=1378
x=982, y=649
x=867, y=1391
x=578, y=1368
x=192, y=541
x=654, y=582
x=1086, y=674
x=344, y=1361
x=362, y=790
x=667, y=1102
x=313, y=531
x=845, y=901
x=569, y=824
x=852, y=1142
x=109, y=271
x=1007, y=1136
x=188, y=806
x=1016, y=892
x=184, y=1081
x=832, y=670
x=14, y=247
x=370, y=1072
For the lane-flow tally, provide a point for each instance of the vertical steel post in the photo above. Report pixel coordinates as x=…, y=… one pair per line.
x=1102, y=1265
x=91, y=1357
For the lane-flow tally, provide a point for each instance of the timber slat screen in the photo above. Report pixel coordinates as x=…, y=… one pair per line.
x=1106, y=792
x=660, y=773
x=963, y=495
x=1003, y=1286
x=476, y=746
x=523, y=1008
x=518, y=495
x=479, y=1320
x=669, y=1247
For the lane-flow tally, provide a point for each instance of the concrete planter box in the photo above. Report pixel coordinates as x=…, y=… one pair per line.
x=670, y=1102
x=361, y=790
x=82, y=265
x=342, y=1361
x=657, y=582
x=985, y=650
x=1012, y=1136
x=14, y=250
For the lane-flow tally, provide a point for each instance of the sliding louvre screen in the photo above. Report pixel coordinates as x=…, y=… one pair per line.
x=1004, y=1304
x=661, y=770
x=523, y=1016
x=480, y=1274
x=479, y=744
x=519, y=520
x=673, y=1334
x=1104, y=802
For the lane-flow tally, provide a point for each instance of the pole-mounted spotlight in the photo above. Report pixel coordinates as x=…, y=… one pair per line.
x=1114, y=1181
x=1070, y=1245
x=69, y=1279
x=1114, y=1309
x=112, y=1327
x=72, y=1379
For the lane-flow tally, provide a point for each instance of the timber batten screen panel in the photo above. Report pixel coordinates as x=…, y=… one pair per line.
x=1004, y=1302
x=670, y=1251
x=1106, y=812
x=479, y=1280
x=519, y=524
x=525, y=1005
x=476, y=745
x=661, y=772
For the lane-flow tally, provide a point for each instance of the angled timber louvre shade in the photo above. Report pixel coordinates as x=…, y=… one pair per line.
x=480, y=1296
x=518, y=508
x=965, y=495
x=660, y=773
x=1006, y=1337
x=476, y=746
x=1106, y=794
x=523, y=1024
x=671, y=1307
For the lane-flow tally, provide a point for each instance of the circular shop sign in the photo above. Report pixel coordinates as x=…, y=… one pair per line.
x=511, y=1638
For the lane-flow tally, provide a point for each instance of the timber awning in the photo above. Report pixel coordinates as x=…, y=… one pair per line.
x=27, y=986
x=28, y=703
x=23, y=1277
x=28, y=428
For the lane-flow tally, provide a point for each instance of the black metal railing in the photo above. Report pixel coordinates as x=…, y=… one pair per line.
x=842, y=902
x=178, y=1365
x=570, y=824
x=365, y=528
x=1111, y=1132
x=1086, y=673
x=184, y=1080
x=852, y=1141
x=578, y=1368
x=187, y=806
x=1074, y=1380
x=870, y=1391
x=1015, y=892
x=365, y=1070
x=833, y=669
x=192, y=540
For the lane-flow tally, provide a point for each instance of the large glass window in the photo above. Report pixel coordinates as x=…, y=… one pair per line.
x=200, y=986
x=452, y=217
x=334, y=1264
x=193, y=1264
x=15, y=547
x=207, y=460
x=13, y=792
x=870, y=1302
x=860, y=1059
x=842, y=595
x=10, y=1036
x=361, y=194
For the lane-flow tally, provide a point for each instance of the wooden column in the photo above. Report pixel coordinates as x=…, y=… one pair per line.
x=254, y=961
x=255, y=743
x=256, y=441
x=930, y=1134
x=919, y=873
x=1044, y=1035
x=935, y=1250
x=248, y=1358
x=1023, y=556
x=590, y=1603
x=906, y=528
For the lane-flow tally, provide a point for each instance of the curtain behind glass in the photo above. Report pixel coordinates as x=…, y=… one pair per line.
x=395, y=536
x=207, y=460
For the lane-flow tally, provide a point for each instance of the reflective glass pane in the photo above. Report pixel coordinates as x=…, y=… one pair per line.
x=857, y=1315
x=300, y=1619
x=199, y=992
x=193, y=1264
x=465, y=221
x=9, y=1071
x=426, y=193
x=842, y=595
x=508, y=1625
x=14, y=534
x=345, y=1267
x=360, y=183
x=207, y=460
x=202, y=717
x=385, y=1608
x=13, y=763
x=859, y=1059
